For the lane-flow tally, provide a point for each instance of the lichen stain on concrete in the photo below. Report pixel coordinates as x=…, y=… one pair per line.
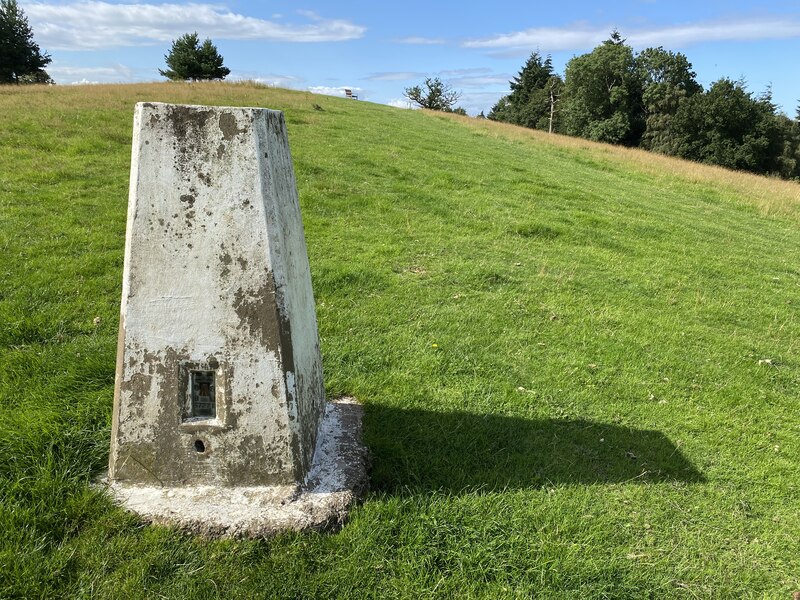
x=138, y=385
x=285, y=340
x=187, y=125
x=168, y=371
x=140, y=461
x=228, y=126
x=226, y=260
x=188, y=198
x=184, y=119
x=251, y=450
x=257, y=310
x=156, y=460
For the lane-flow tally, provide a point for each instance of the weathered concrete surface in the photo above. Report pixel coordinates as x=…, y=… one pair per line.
x=337, y=478
x=216, y=285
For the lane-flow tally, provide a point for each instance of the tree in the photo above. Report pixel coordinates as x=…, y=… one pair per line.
x=667, y=79
x=21, y=61
x=727, y=126
x=534, y=94
x=190, y=60
x=788, y=163
x=554, y=92
x=435, y=95
x=501, y=111
x=602, y=94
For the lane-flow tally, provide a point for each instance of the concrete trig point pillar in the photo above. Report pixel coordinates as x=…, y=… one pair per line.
x=220, y=422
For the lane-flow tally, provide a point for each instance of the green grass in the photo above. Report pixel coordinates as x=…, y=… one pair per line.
x=560, y=347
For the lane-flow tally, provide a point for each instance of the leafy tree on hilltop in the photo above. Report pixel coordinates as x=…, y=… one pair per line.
x=602, y=94
x=667, y=79
x=435, y=95
x=21, y=61
x=190, y=60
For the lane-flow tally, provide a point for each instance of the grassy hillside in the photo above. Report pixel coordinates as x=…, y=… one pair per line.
x=580, y=364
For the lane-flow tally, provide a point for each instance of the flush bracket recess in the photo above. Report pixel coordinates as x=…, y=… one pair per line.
x=203, y=396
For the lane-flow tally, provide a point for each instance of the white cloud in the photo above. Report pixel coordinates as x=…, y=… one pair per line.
x=91, y=25
x=717, y=32
x=546, y=38
x=109, y=74
x=475, y=102
x=400, y=103
x=270, y=79
x=475, y=77
x=422, y=41
x=581, y=36
x=333, y=91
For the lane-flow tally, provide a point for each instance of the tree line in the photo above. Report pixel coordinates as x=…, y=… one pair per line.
x=652, y=100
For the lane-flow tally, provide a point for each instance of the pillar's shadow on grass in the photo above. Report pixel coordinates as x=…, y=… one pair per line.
x=459, y=451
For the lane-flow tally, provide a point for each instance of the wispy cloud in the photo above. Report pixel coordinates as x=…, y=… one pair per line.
x=749, y=30
x=421, y=41
x=480, y=82
x=464, y=72
x=400, y=103
x=107, y=74
x=92, y=25
x=333, y=90
x=474, y=77
x=394, y=76
x=475, y=102
x=546, y=38
x=271, y=79
x=581, y=36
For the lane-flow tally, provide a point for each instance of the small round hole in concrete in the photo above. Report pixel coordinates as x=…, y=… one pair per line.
x=199, y=446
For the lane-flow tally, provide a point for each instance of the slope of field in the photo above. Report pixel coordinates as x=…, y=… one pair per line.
x=580, y=364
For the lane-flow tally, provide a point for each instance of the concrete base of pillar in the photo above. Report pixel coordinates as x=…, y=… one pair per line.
x=338, y=477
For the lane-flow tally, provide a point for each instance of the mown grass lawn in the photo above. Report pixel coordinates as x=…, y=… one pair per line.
x=580, y=364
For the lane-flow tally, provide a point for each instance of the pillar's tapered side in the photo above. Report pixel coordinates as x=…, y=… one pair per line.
x=219, y=377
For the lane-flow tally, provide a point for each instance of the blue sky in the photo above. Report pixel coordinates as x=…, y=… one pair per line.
x=377, y=49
